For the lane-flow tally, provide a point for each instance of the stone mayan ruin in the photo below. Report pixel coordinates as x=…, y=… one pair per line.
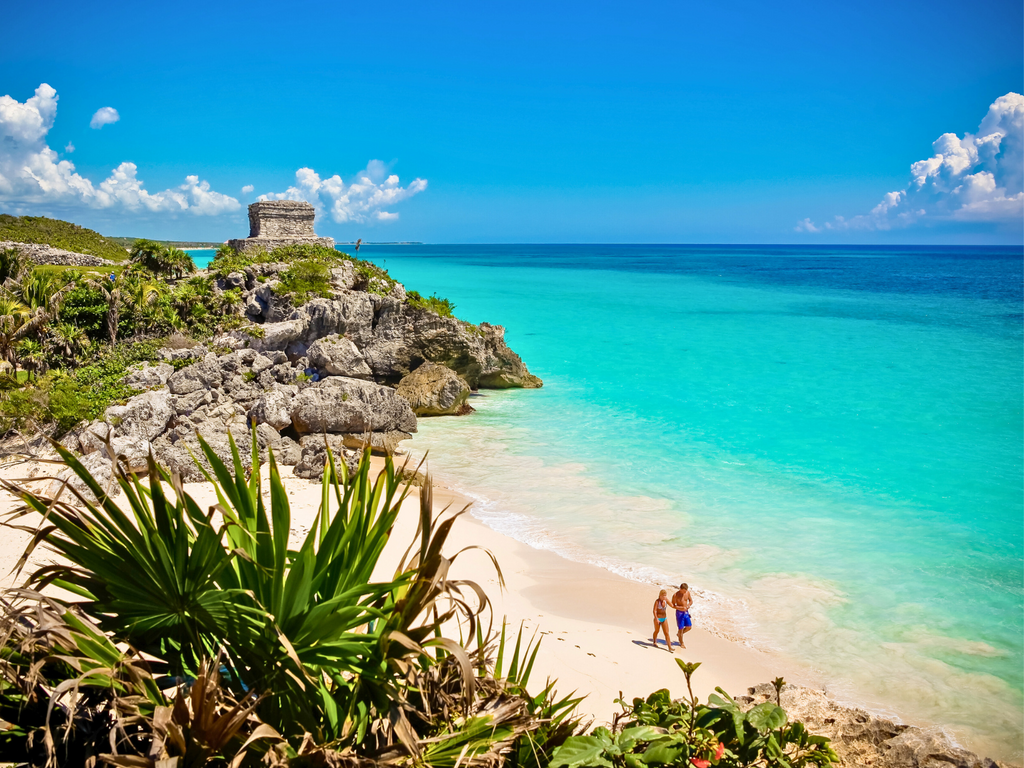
x=274, y=223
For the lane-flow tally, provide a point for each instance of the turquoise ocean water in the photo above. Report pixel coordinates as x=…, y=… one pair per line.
x=827, y=443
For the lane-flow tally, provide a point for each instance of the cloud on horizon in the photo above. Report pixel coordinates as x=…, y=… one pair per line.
x=103, y=116
x=32, y=174
x=363, y=200
x=979, y=178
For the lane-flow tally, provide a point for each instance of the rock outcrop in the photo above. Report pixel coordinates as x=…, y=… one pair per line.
x=392, y=336
x=435, y=390
x=47, y=254
x=863, y=739
x=321, y=373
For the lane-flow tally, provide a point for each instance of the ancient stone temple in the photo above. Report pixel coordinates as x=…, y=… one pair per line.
x=274, y=223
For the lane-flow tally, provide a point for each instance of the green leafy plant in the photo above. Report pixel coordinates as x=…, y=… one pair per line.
x=305, y=280
x=321, y=651
x=435, y=304
x=659, y=731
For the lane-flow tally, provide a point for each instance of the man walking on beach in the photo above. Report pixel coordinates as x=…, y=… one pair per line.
x=681, y=601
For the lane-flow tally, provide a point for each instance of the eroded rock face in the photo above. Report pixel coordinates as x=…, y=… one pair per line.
x=393, y=337
x=143, y=417
x=434, y=390
x=313, y=455
x=863, y=739
x=338, y=356
x=342, y=405
x=149, y=376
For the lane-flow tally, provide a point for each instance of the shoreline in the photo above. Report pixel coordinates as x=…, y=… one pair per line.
x=595, y=625
x=549, y=586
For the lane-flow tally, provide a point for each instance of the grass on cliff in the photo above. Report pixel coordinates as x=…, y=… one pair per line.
x=59, y=234
x=435, y=304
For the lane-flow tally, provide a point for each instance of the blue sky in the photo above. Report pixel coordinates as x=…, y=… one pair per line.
x=525, y=122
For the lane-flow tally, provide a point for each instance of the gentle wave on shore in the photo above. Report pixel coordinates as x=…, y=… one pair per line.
x=827, y=444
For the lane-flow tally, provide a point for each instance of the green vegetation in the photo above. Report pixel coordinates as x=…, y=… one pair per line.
x=435, y=304
x=59, y=234
x=659, y=731
x=208, y=639
x=268, y=654
x=228, y=260
x=305, y=280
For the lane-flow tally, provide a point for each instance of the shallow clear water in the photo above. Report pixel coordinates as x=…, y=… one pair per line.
x=828, y=443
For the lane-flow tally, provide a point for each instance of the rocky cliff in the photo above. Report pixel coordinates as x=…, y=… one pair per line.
x=347, y=369
x=862, y=739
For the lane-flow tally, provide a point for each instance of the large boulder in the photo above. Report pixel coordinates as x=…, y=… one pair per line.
x=313, y=456
x=380, y=443
x=273, y=408
x=143, y=417
x=435, y=390
x=343, y=405
x=338, y=356
x=176, y=448
x=204, y=374
x=149, y=376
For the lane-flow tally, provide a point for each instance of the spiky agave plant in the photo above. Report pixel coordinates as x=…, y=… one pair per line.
x=340, y=661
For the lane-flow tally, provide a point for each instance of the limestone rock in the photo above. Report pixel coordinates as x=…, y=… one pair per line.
x=434, y=390
x=47, y=254
x=94, y=437
x=204, y=374
x=313, y=457
x=100, y=467
x=273, y=408
x=149, y=376
x=863, y=739
x=143, y=417
x=380, y=443
x=132, y=454
x=288, y=453
x=338, y=356
x=340, y=405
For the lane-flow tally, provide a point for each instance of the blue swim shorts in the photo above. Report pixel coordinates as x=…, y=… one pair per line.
x=683, y=619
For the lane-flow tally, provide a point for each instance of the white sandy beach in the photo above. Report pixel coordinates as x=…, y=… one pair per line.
x=596, y=626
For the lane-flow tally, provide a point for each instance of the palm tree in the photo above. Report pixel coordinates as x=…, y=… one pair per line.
x=111, y=289
x=13, y=315
x=66, y=340
x=178, y=262
x=148, y=255
x=12, y=264
x=32, y=355
x=43, y=292
x=140, y=295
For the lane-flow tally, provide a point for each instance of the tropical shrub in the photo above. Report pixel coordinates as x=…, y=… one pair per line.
x=435, y=304
x=315, y=661
x=305, y=280
x=659, y=731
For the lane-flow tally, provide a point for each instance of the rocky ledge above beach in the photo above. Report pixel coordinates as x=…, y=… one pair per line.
x=863, y=739
x=350, y=369
x=47, y=254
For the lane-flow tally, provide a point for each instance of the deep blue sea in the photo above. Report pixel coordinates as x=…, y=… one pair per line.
x=826, y=442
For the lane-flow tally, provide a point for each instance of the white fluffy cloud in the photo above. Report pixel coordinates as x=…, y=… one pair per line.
x=364, y=199
x=31, y=173
x=104, y=116
x=977, y=178
x=247, y=189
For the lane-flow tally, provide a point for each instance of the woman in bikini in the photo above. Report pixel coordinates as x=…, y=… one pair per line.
x=660, y=616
